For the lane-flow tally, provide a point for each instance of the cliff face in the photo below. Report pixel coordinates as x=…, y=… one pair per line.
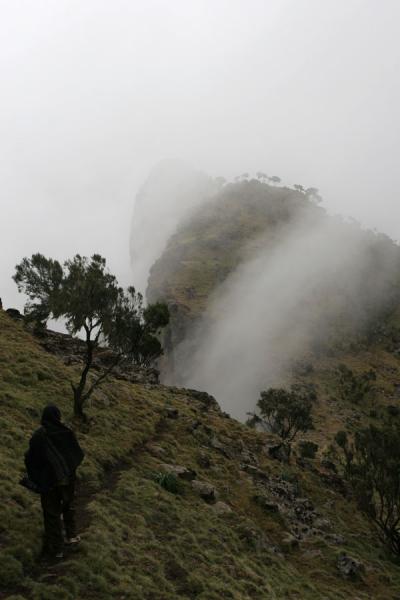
x=236, y=523
x=260, y=278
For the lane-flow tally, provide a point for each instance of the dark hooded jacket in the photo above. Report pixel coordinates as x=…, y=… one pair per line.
x=54, y=452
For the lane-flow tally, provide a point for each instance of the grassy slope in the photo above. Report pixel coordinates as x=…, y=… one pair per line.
x=139, y=541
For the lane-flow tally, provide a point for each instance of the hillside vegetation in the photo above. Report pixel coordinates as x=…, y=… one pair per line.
x=235, y=523
x=337, y=286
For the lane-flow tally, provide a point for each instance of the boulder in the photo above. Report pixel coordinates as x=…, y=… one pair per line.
x=207, y=402
x=221, y=508
x=156, y=450
x=171, y=413
x=279, y=452
x=348, y=567
x=179, y=471
x=223, y=448
x=266, y=504
x=203, y=460
x=205, y=490
x=289, y=542
x=14, y=314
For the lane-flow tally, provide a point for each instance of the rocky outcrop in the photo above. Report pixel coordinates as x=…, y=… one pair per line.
x=348, y=567
x=71, y=350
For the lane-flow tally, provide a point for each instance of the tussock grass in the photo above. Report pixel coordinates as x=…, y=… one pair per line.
x=139, y=540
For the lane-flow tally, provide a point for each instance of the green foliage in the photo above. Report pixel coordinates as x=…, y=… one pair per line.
x=88, y=297
x=284, y=412
x=354, y=387
x=372, y=466
x=308, y=449
x=169, y=482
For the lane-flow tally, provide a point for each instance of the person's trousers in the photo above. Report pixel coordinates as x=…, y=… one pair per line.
x=56, y=502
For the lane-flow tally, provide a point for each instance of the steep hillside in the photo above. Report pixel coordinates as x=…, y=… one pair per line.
x=260, y=278
x=241, y=525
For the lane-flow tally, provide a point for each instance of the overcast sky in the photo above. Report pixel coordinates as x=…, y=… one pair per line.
x=95, y=92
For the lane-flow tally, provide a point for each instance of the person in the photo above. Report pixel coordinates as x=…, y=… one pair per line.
x=51, y=461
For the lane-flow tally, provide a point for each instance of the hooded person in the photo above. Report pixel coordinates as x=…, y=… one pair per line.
x=52, y=459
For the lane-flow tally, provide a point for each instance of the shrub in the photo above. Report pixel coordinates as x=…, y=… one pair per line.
x=372, y=467
x=169, y=482
x=307, y=449
x=284, y=412
x=354, y=387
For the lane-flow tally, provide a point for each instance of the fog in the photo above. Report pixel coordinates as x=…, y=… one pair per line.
x=95, y=93
x=316, y=279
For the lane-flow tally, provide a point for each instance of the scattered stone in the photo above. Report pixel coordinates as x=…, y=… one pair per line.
x=279, y=452
x=171, y=413
x=205, y=490
x=254, y=471
x=203, y=460
x=223, y=448
x=393, y=411
x=266, y=504
x=289, y=542
x=322, y=523
x=156, y=450
x=328, y=464
x=208, y=402
x=179, y=471
x=195, y=424
x=221, y=508
x=336, y=538
x=349, y=568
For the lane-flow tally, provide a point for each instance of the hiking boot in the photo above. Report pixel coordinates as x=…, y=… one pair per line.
x=72, y=541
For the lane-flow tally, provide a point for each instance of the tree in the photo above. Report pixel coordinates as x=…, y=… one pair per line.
x=284, y=412
x=88, y=297
x=372, y=467
x=299, y=188
x=313, y=193
x=275, y=179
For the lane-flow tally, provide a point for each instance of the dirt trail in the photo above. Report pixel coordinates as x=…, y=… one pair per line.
x=49, y=571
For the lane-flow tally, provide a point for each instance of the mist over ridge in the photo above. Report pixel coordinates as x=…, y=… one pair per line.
x=259, y=277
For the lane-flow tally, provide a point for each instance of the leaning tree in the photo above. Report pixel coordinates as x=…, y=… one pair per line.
x=87, y=296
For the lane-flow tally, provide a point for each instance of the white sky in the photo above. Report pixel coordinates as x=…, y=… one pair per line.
x=94, y=92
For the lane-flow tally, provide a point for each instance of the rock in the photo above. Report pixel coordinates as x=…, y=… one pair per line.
x=392, y=410
x=205, y=490
x=289, y=542
x=221, y=508
x=208, y=402
x=203, y=460
x=171, y=413
x=254, y=471
x=195, y=424
x=322, y=523
x=336, y=538
x=266, y=504
x=179, y=471
x=223, y=448
x=156, y=450
x=328, y=464
x=279, y=452
x=349, y=568
x=14, y=314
